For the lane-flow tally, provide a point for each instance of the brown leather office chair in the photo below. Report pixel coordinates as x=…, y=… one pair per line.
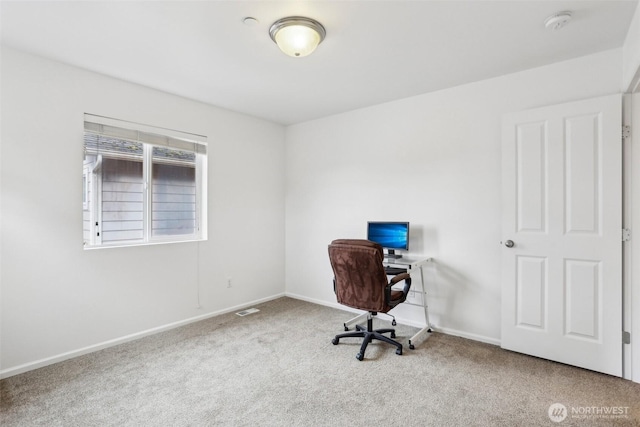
x=360, y=281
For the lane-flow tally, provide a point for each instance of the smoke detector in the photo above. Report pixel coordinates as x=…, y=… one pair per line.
x=558, y=20
x=250, y=21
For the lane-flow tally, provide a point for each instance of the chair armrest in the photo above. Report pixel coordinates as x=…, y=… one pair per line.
x=399, y=277
x=405, y=290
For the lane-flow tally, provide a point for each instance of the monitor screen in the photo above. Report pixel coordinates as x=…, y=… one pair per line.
x=390, y=235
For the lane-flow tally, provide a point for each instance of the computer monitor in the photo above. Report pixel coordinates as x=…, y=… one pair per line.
x=389, y=235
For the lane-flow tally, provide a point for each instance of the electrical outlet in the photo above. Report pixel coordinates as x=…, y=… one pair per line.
x=414, y=297
x=228, y=282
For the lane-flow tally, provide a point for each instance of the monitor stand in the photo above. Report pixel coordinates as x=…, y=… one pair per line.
x=391, y=254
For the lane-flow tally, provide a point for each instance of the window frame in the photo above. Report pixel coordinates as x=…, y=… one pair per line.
x=149, y=137
x=85, y=188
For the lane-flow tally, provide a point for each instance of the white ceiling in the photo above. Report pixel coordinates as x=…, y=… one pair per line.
x=374, y=52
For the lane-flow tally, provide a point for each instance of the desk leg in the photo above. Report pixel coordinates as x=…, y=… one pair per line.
x=356, y=319
x=427, y=327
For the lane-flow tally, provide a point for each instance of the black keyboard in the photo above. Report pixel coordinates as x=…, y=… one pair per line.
x=392, y=271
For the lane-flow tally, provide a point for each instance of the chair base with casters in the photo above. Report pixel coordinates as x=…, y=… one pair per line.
x=362, y=316
x=369, y=334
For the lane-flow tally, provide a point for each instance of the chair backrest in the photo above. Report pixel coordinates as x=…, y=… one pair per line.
x=359, y=275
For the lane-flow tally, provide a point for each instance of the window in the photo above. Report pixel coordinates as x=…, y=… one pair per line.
x=141, y=184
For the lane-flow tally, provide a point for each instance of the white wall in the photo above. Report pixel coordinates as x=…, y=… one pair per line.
x=433, y=160
x=60, y=300
x=631, y=54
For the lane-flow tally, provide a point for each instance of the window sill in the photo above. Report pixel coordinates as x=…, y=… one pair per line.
x=136, y=244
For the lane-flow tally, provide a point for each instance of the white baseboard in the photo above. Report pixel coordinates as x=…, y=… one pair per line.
x=448, y=331
x=321, y=302
x=467, y=335
x=5, y=373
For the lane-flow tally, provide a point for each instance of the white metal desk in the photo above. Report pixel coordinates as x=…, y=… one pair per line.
x=411, y=265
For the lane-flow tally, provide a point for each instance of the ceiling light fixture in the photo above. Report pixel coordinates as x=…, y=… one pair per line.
x=297, y=36
x=557, y=21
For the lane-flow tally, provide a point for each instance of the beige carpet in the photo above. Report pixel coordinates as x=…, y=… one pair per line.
x=278, y=367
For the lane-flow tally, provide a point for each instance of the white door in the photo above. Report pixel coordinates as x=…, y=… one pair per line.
x=562, y=210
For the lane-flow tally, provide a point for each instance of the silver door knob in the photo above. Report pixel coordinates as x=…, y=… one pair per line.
x=509, y=243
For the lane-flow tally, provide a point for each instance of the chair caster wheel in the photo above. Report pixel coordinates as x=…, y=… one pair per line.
x=429, y=330
x=360, y=356
x=399, y=352
x=393, y=334
x=335, y=341
x=346, y=328
x=412, y=347
x=393, y=322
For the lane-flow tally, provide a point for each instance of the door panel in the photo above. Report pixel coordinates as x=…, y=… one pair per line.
x=562, y=201
x=531, y=176
x=531, y=292
x=583, y=181
x=583, y=299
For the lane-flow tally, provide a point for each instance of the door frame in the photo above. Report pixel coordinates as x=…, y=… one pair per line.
x=631, y=210
x=631, y=219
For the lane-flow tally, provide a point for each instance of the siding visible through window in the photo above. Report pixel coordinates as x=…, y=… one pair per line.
x=122, y=200
x=174, y=200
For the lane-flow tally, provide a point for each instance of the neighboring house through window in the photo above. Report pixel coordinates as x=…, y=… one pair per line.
x=141, y=184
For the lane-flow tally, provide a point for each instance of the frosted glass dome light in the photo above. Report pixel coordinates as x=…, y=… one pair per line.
x=297, y=36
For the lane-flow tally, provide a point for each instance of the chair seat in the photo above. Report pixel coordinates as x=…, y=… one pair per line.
x=396, y=295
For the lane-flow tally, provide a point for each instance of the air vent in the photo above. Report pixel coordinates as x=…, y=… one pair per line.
x=247, y=311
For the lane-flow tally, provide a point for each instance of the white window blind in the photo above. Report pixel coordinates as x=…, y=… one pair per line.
x=136, y=132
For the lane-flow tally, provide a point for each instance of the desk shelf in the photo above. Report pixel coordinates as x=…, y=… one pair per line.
x=411, y=265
